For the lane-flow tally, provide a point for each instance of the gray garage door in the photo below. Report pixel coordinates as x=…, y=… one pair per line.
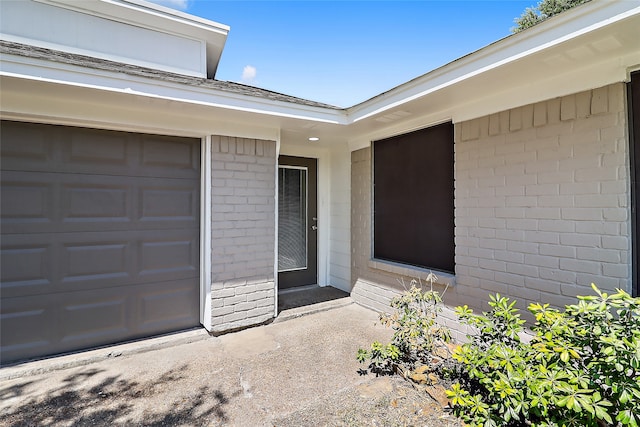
x=100, y=237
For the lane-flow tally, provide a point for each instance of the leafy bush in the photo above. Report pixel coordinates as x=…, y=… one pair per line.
x=418, y=344
x=543, y=10
x=581, y=368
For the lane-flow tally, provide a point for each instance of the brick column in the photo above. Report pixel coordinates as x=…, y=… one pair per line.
x=243, y=232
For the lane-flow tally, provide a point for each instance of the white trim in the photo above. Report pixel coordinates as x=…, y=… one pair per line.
x=277, y=230
x=205, y=233
x=324, y=217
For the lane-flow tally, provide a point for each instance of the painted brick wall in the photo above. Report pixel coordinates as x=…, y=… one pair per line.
x=541, y=205
x=542, y=199
x=374, y=283
x=339, y=238
x=243, y=232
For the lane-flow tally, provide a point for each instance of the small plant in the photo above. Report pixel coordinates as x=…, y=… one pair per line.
x=581, y=368
x=418, y=343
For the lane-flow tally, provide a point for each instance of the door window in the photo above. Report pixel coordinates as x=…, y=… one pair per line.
x=292, y=218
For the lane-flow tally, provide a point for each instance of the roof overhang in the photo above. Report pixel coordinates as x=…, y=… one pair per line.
x=590, y=46
x=65, y=93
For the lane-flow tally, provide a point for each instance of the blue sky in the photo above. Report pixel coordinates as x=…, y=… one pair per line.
x=345, y=52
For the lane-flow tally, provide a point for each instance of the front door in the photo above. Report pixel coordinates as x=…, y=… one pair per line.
x=297, y=222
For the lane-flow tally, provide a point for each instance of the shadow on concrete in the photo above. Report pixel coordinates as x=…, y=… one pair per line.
x=111, y=402
x=303, y=296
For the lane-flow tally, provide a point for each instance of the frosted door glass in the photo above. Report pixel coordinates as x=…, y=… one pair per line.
x=292, y=219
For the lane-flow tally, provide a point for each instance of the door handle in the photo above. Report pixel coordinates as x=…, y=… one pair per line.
x=314, y=227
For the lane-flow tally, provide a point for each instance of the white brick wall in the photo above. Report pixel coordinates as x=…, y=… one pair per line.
x=541, y=205
x=243, y=232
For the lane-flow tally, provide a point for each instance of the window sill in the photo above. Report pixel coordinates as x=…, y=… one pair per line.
x=412, y=272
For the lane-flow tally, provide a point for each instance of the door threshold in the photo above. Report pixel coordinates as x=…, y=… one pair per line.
x=298, y=288
x=308, y=296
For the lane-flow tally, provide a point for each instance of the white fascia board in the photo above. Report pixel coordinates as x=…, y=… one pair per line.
x=57, y=73
x=559, y=29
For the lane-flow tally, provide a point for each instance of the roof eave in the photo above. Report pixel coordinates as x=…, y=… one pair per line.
x=559, y=29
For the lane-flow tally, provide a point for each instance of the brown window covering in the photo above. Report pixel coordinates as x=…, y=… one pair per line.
x=413, y=198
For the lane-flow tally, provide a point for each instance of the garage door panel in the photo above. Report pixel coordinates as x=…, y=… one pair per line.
x=34, y=264
x=26, y=268
x=172, y=258
x=165, y=306
x=26, y=327
x=25, y=200
x=87, y=147
x=165, y=152
x=73, y=320
x=95, y=264
x=24, y=145
x=111, y=259
x=61, y=149
x=38, y=202
x=100, y=237
x=96, y=317
x=95, y=202
x=170, y=203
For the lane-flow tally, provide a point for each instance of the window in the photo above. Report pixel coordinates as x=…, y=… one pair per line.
x=413, y=198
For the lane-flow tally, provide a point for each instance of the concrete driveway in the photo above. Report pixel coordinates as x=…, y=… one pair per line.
x=254, y=377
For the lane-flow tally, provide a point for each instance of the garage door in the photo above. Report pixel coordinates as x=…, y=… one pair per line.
x=100, y=237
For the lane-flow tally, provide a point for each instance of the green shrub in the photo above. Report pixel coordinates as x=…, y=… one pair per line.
x=418, y=343
x=581, y=368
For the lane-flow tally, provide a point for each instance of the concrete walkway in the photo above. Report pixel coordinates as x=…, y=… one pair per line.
x=248, y=378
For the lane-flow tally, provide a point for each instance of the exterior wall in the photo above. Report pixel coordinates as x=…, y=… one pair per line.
x=542, y=206
x=542, y=199
x=86, y=34
x=243, y=193
x=375, y=283
x=339, y=238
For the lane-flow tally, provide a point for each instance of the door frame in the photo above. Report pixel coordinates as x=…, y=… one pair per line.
x=313, y=238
